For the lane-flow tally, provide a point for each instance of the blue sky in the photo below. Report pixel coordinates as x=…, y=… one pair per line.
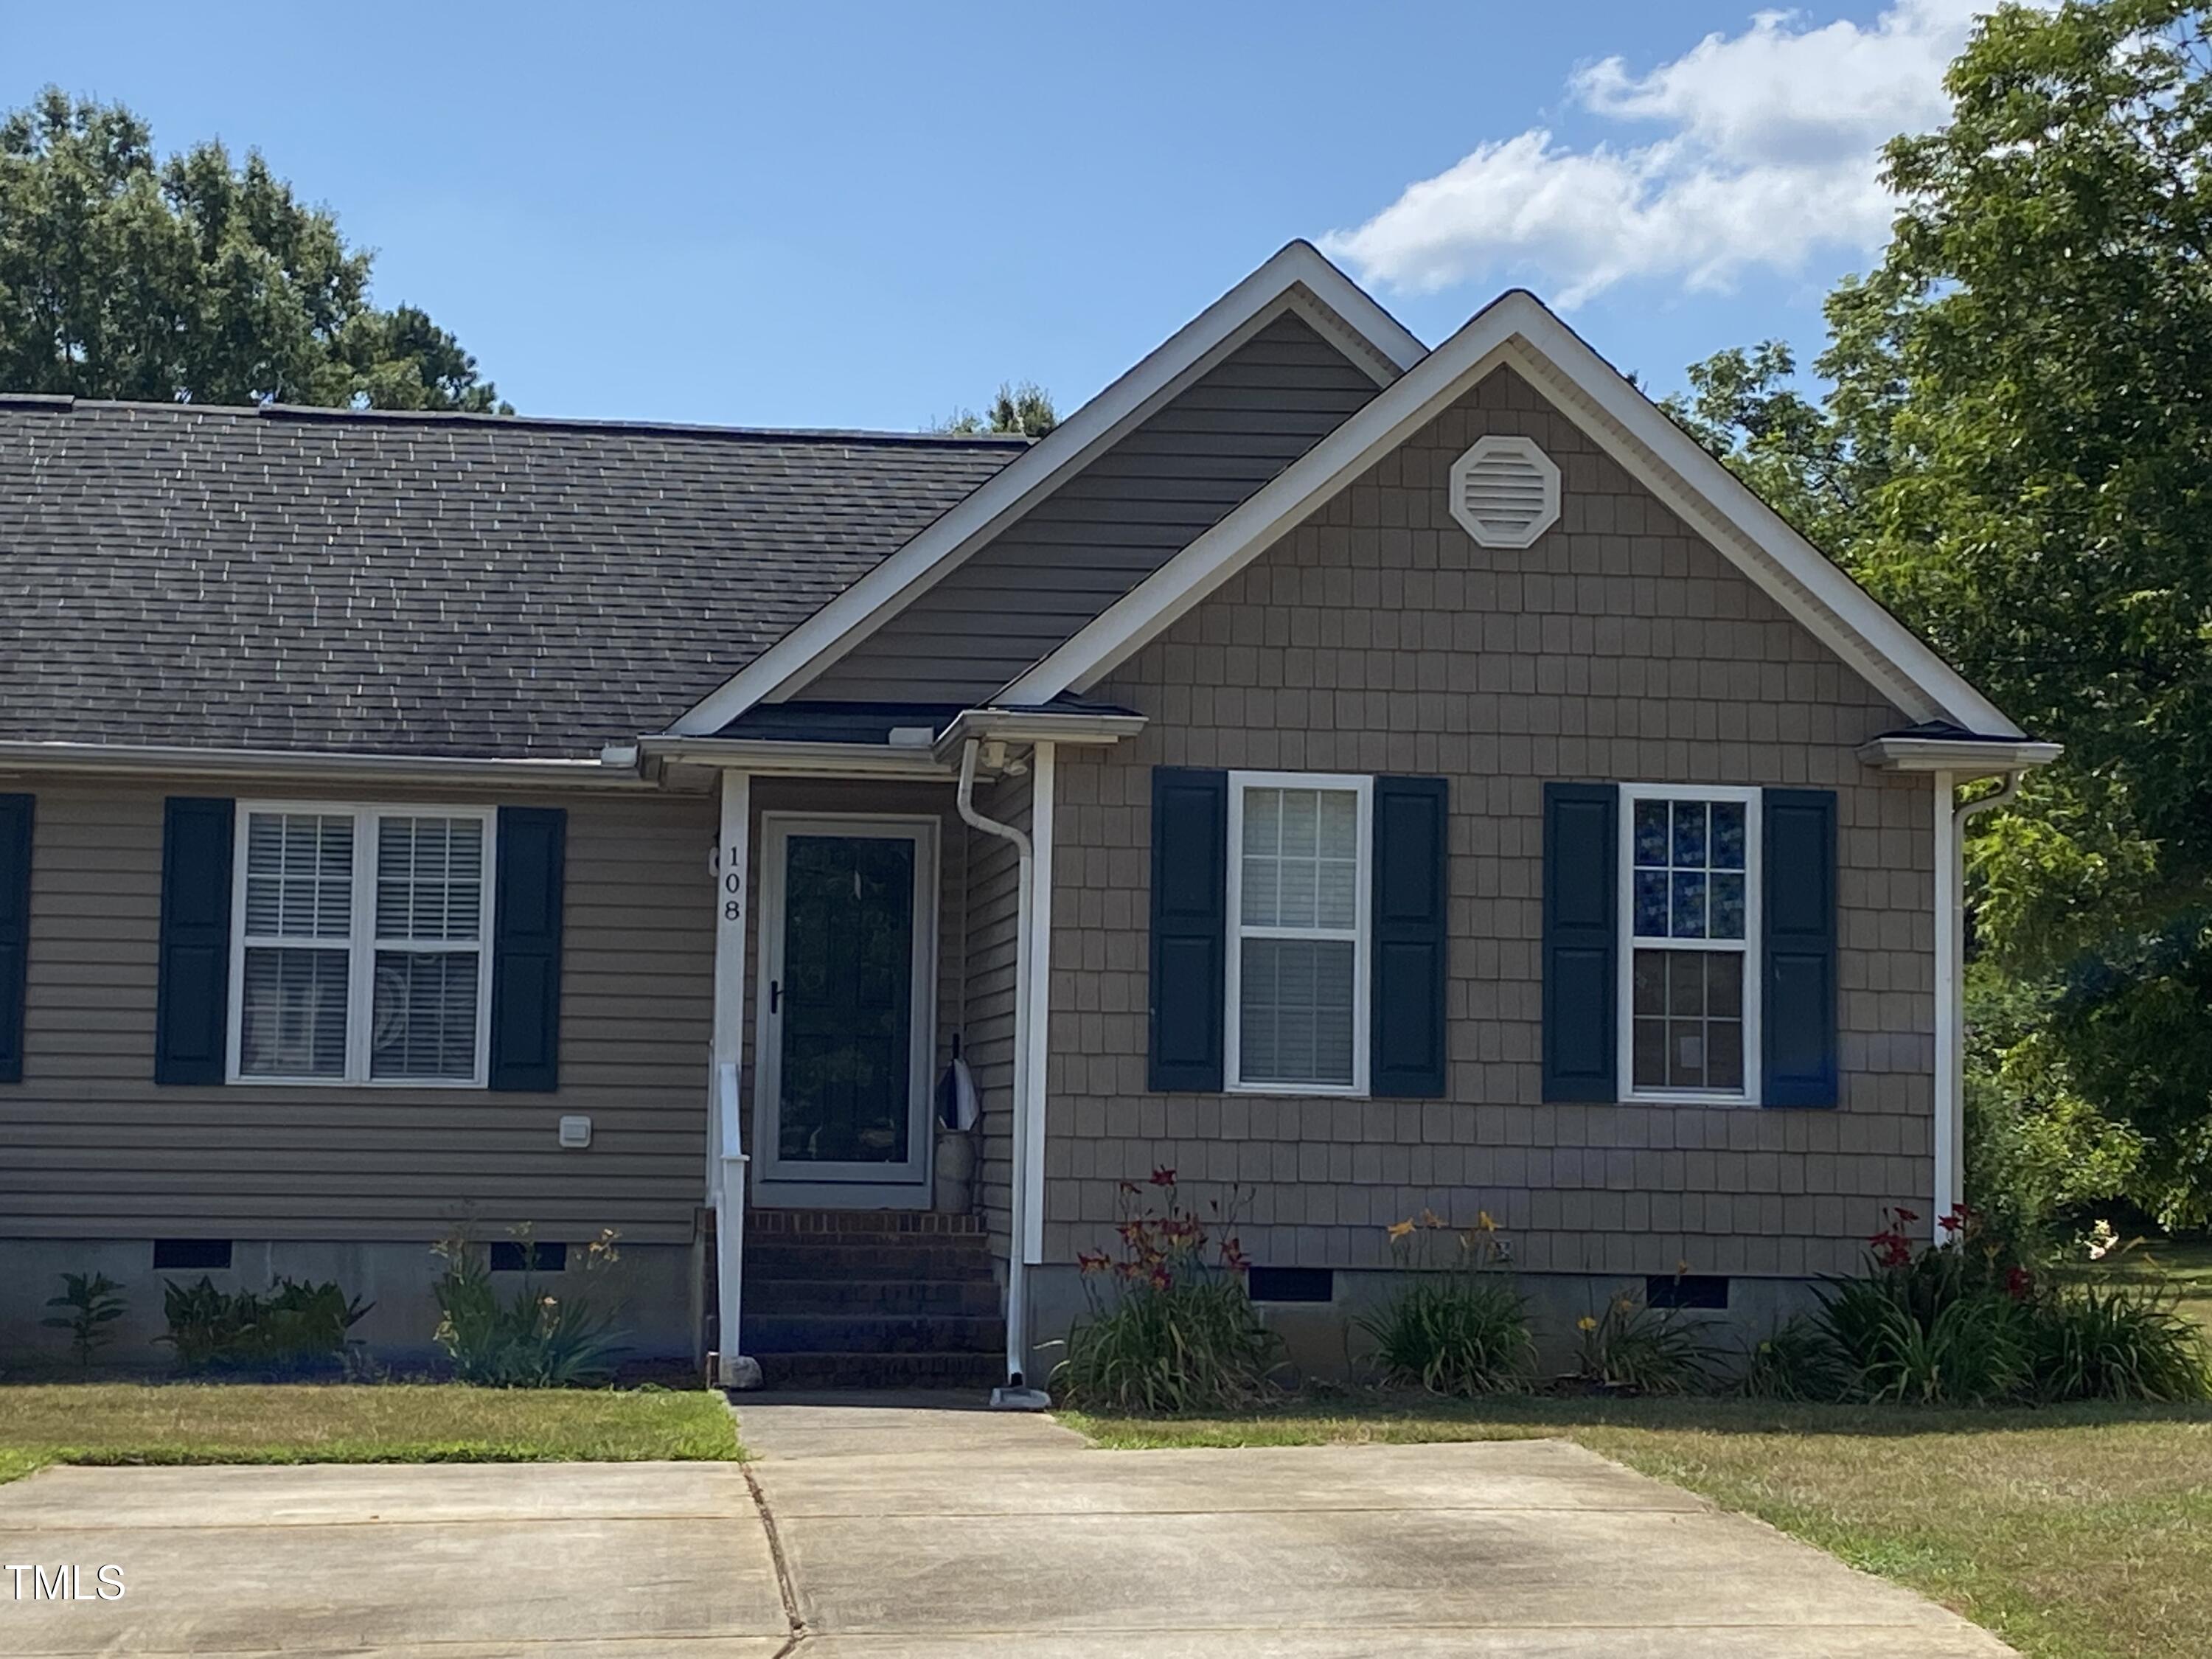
x=832, y=215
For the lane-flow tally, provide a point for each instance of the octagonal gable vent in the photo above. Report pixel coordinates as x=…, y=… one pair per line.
x=1504, y=492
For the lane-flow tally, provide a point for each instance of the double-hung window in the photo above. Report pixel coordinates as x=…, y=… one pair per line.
x=1298, y=882
x=1689, y=907
x=362, y=944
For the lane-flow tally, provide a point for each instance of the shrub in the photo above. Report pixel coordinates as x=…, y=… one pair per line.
x=93, y=1301
x=530, y=1339
x=1794, y=1361
x=292, y=1327
x=1963, y=1322
x=2122, y=1343
x=1637, y=1347
x=1173, y=1329
x=1460, y=1328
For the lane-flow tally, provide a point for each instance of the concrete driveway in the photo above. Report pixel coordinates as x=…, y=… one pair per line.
x=903, y=1526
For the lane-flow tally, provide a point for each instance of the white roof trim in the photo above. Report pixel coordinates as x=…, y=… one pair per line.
x=1296, y=278
x=1969, y=757
x=617, y=770
x=1516, y=328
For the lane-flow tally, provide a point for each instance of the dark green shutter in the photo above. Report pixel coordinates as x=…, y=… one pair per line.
x=1798, y=1013
x=525, y=962
x=15, y=929
x=1189, y=961
x=192, y=1005
x=1581, y=912
x=1406, y=1019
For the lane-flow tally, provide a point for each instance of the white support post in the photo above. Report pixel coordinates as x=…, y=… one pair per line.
x=1039, y=1032
x=1950, y=996
x=732, y=908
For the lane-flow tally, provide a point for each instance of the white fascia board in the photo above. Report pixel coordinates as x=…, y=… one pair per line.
x=777, y=757
x=1037, y=725
x=336, y=765
x=823, y=638
x=1970, y=758
x=1630, y=428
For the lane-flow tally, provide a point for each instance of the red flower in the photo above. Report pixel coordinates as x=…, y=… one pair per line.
x=1160, y=1281
x=1163, y=1176
x=1892, y=1249
x=2018, y=1283
x=1131, y=1188
x=1232, y=1255
x=1953, y=1222
x=1092, y=1261
x=1905, y=1215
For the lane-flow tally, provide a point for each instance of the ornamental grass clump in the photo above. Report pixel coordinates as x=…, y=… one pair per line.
x=1459, y=1326
x=1960, y=1322
x=1634, y=1347
x=1171, y=1326
x=530, y=1338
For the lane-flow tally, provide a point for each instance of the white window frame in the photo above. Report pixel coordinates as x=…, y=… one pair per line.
x=362, y=944
x=1754, y=876
x=1362, y=786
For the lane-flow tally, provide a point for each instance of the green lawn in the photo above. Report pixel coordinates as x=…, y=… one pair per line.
x=316, y=1422
x=2076, y=1532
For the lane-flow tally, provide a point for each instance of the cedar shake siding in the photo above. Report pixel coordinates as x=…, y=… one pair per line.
x=1103, y=531
x=91, y=1147
x=1378, y=638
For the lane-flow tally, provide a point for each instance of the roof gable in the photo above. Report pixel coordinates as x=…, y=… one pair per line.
x=1517, y=330
x=1298, y=278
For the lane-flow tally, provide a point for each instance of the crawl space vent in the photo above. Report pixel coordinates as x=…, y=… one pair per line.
x=1504, y=492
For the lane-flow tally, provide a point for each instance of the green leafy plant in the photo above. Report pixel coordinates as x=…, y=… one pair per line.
x=293, y=1326
x=93, y=1301
x=529, y=1337
x=1638, y=1349
x=1461, y=1326
x=1794, y=1361
x=2118, y=1343
x=1173, y=1329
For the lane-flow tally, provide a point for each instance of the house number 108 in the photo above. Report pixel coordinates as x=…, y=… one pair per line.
x=733, y=883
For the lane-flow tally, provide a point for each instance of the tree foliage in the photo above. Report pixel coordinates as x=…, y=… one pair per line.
x=123, y=274
x=1025, y=410
x=2017, y=455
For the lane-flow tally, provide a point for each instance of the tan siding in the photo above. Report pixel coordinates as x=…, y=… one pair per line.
x=1101, y=532
x=89, y=1146
x=993, y=904
x=1378, y=638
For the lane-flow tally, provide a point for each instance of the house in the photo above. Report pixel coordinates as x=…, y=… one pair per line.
x=1379, y=778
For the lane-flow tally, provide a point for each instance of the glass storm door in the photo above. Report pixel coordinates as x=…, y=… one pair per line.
x=846, y=1042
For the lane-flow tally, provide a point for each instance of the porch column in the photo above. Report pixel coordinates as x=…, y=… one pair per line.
x=733, y=905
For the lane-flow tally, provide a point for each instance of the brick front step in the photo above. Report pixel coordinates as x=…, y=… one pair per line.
x=917, y=1258
x=777, y=1293
x=809, y=1224
x=766, y=1334
x=979, y=1372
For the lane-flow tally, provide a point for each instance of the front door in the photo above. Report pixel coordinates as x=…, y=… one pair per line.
x=845, y=1036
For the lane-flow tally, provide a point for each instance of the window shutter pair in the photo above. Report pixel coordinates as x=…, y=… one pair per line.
x=14, y=930
x=1798, y=945
x=192, y=1003
x=1407, y=937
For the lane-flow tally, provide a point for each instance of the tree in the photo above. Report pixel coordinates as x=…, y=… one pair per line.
x=1025, y=410
x=123, y=275
x=2017, y=455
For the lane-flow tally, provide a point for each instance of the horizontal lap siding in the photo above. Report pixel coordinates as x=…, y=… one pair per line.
x=1115, y=522
x=90, y=1147
x=1378, y=638
x=993, y=904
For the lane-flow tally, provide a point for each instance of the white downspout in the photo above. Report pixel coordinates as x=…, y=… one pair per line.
x=1015, y=1394
x=1951, y=987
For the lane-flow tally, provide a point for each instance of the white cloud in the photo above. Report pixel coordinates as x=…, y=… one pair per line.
x=1766, y=150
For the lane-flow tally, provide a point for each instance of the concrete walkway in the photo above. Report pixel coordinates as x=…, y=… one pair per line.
x=918, y=1526
x=905, y=1526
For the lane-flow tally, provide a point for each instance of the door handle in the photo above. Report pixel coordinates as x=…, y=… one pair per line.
x=774, y=995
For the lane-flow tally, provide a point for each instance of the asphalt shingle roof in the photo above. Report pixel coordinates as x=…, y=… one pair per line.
x=421, y=585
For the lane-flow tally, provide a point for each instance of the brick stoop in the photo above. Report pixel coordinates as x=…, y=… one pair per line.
x=871, y=1299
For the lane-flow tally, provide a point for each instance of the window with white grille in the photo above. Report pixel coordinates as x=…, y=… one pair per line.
x=1505, y=492
x=1298, y=879
x=362, y=948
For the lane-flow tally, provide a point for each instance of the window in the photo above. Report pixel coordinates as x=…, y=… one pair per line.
x=1689, y=897
x=1298, y=883
x=362, y=944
